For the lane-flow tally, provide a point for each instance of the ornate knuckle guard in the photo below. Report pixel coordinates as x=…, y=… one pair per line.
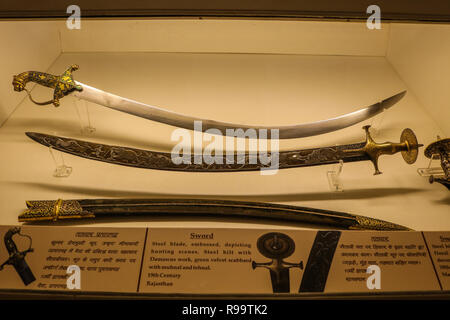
x=62, y=85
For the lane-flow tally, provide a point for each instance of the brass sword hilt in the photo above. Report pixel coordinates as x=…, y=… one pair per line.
x=63, y=84
x=408, y=146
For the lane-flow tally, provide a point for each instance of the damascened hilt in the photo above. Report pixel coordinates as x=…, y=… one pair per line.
x=63, y=84
x=408, y=147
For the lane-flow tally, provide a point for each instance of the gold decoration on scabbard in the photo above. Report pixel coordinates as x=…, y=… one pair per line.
x=53, y=211
x=50, y=210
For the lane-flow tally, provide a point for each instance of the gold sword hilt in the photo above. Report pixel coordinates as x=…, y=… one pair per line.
x=408, y=146
x=63, y=84
x=50, y=210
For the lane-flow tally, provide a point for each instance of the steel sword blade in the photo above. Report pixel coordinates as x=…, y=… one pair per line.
x=65, y=85
x=132, y=157
x=187, y=122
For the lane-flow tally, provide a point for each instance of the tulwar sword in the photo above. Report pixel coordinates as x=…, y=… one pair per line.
x=64, y=85
x=368, y=150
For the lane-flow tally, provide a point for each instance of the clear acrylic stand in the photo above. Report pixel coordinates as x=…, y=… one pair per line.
x=334, y=178
x=61, y=170
x=82, y=108
x=432, y=171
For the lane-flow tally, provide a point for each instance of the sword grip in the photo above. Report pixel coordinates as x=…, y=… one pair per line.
x=62, y=85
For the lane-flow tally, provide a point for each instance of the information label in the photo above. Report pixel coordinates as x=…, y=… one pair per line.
x=402, y=259
x=105, y=259
x=439, y=246
x=222, y=261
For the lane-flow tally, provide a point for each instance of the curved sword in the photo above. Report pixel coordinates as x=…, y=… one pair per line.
x=65, y=84
x=51, y=210
x=147, y=159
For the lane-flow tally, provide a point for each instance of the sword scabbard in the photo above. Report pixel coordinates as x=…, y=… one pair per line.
x=50, y=210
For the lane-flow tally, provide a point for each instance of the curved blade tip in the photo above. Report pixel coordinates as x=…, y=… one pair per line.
x=389, y=102
x=38, y=137
x=32, y=135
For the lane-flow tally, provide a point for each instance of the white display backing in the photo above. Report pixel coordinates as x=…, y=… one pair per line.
x=26, y=45
x=226, y=35
x=419, y=53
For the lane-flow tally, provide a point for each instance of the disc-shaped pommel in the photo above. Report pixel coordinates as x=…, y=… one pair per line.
x=438, y=147
x=408, y=137
x=275, y=245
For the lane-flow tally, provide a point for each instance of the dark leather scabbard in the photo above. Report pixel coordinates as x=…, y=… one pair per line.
x=115, y=208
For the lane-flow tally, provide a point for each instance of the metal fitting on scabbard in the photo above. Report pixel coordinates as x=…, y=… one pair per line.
x=365, y=223
x=63, y=84
x=54, y=211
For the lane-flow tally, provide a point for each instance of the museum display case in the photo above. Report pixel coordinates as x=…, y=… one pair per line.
x=262, y=72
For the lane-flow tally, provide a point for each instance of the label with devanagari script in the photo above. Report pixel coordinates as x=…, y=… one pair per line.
x=222, y=260
x=103, y=259
x=439, y=246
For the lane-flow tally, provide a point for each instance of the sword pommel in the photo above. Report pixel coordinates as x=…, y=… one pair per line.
x=408, y=147
x=63, y=84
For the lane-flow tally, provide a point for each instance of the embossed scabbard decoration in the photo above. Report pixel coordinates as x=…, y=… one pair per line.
x=64, y=85
x=368, y=150
x=50, y=210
